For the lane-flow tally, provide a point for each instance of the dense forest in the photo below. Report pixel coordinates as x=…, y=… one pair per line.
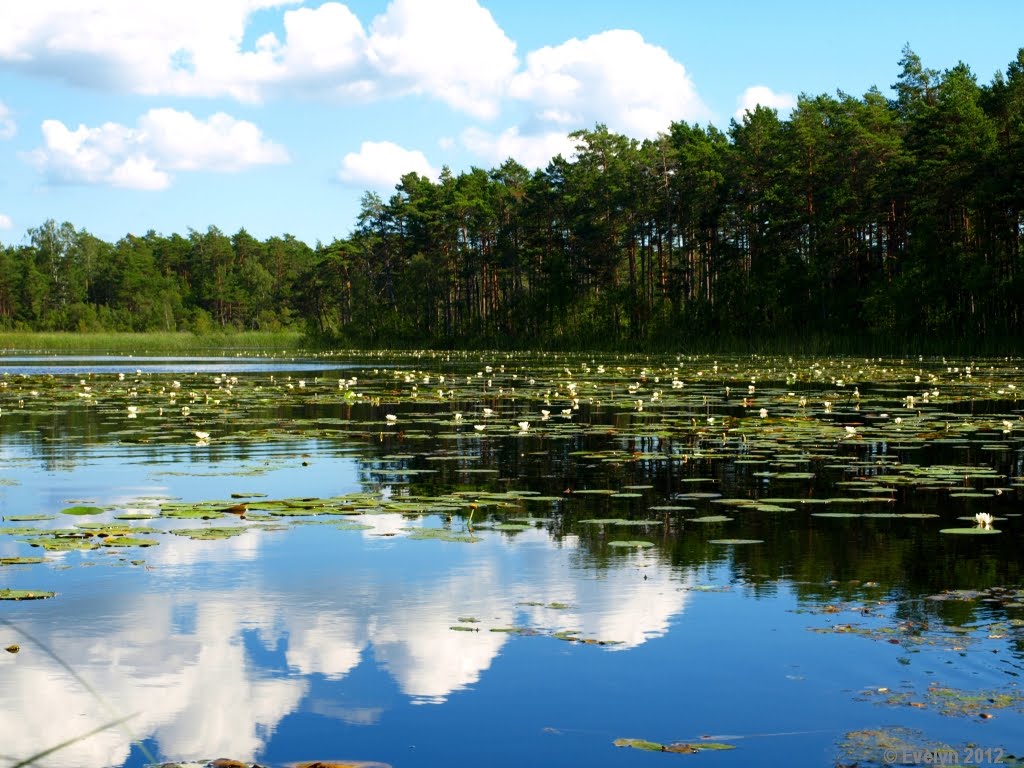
x=855, y=222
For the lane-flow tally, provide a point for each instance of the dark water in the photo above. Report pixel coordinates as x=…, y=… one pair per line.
x=308, y=642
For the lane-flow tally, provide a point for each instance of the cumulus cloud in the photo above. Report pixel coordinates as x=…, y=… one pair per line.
x=532, y=150
x=143, y=157
x=5, y=221
x=7, y=125
x=762, y=95
x=451, y=50
x=614, y=77
x=380, y=165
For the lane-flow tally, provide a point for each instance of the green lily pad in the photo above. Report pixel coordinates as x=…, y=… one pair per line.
x=683, y=748
x=62, y=544
x=440, y=534
x=128, y=541
x=631, y=544
x=969, y=531
x=211, y=533
x=24, y=594
x=83, y=511
x=21, y=560
x=736, y=541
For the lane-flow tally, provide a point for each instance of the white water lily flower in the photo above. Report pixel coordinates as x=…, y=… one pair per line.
x=524, y=426
x=984, y=520
x=488, y=412
x=544, y=414
x=763, y=413
x=458, y=417
x=851, y=431
x=479, y=427
x=391, y=418
x=202, y=436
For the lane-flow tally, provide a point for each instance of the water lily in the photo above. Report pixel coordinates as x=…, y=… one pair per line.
x=524, y=426
x=202, y=437
x=391, y=418
x=984, y=520
x=544, y=414
x=763, y=413
x=479, y=427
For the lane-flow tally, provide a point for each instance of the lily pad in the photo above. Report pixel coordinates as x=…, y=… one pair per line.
x=969, y=531
x=736, y=541
x=24, y=594
x=682, y=748
x=128, y=541
x=83, y=511
x=632, y=543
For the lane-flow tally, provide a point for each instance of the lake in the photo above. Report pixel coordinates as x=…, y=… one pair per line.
x=508, y=559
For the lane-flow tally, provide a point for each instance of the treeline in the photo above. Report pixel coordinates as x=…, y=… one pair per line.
x=857, y=221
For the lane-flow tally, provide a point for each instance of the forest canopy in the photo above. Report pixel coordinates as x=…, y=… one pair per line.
x=855, y=221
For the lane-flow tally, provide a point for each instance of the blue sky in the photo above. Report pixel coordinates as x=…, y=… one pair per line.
x=122, y=116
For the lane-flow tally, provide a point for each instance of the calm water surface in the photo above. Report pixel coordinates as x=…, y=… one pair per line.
x=533, y=646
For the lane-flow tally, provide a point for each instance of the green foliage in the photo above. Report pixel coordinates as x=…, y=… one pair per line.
x=856, y=222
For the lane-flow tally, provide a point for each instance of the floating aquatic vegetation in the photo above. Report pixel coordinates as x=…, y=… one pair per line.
x=968, y=531
x=25, y=594
x=83, y=510
x=735, y=541
x=631, y=544
x=679, y=747
x=441, y=534
x=949, y=701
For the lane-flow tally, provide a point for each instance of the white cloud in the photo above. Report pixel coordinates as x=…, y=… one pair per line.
x=7, y=125
x=142, y=158
x=764, y=96
x=614, y=77
x=186, y=47
x=380, y=164
x=5, y=221
x=533, y=151
x=451, y=50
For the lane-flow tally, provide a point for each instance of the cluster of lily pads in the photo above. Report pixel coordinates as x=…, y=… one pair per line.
x=837, y=438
